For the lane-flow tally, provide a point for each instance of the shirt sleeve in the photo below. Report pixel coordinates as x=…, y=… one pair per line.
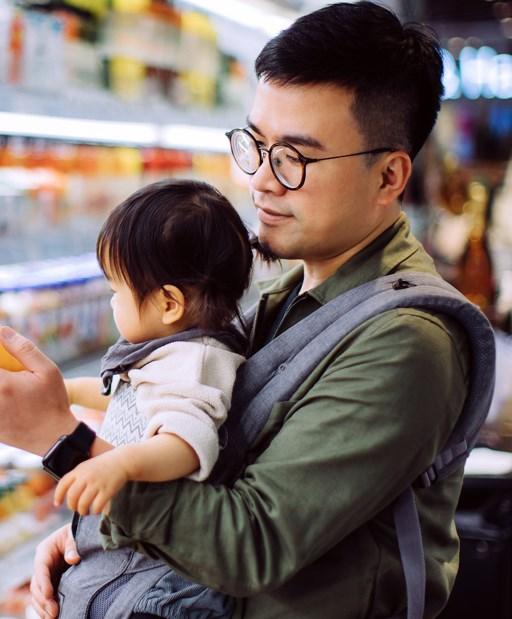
x=184, y=388
x=381, y=407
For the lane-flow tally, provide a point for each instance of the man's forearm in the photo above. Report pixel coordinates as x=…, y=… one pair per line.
x=50, y=435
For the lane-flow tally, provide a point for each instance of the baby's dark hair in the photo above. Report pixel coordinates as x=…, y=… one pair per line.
x=184, y=233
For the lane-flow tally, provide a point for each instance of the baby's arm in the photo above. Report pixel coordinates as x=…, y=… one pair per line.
x=90, y=486
x=162, y=457
x=185, y=392
x=86, y=391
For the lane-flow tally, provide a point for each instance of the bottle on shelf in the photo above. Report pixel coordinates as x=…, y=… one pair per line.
x=475, y=276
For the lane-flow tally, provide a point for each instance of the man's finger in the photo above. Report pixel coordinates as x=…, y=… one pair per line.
x=71, y=555
x=44, y=608
x=23, y=350
x=42, y=601
x=48, y=567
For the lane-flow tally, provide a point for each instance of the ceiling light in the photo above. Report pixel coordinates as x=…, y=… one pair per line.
x=245, y=14
x=81, y=130
x=190, y=137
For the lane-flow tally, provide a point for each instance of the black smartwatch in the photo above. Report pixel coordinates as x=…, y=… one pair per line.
x=68, y=451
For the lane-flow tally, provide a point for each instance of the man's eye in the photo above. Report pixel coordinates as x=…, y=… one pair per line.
x=292, y=158
x=277, y=161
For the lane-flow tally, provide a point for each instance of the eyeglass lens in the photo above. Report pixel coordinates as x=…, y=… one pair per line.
x=245, y=151
x=286, y=166
x=284, y=161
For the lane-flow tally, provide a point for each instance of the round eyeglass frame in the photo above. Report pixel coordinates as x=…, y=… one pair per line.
x=304, y=160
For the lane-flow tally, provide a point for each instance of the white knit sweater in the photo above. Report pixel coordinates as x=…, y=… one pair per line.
x=182, y=388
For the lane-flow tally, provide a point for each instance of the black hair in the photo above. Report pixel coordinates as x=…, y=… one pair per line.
x=184, y=233
x=394, y=70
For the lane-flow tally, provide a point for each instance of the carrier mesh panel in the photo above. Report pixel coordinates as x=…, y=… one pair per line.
x=102, y=601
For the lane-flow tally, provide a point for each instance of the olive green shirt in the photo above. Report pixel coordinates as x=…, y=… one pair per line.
x=307, y=532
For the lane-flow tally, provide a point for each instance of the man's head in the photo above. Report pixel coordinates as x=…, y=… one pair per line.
x=394, y=71
x=345, y=79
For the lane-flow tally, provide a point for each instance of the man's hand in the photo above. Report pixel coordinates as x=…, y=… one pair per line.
x=53, y=556
x=34, y=407
x=89, y=487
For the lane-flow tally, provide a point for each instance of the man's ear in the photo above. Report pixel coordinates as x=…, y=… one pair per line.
x=172, y=304
x=395, y=171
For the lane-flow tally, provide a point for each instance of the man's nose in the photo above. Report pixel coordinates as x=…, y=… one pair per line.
x=263, y=180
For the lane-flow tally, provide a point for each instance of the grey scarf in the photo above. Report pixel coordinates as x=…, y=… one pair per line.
x=122, y=355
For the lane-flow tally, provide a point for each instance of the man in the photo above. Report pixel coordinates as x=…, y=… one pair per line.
x=346, y=97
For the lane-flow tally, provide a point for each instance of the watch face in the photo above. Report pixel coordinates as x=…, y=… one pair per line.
x=62, y=457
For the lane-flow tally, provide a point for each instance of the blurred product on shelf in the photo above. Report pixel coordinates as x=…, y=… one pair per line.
x=475, y=277
x=200, y=61
x=497, y=433
x=461, y=204
x=54, y=196
x=53, y=199
x=25, y=504
x=501, y=238
x=15, y=603
x=27, y=514
x=61, y=305
x=140, y=51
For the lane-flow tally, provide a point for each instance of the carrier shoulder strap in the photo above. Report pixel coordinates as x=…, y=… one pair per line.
x=276, y=371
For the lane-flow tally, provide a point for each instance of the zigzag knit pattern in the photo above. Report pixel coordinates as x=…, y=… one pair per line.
x=123, y=424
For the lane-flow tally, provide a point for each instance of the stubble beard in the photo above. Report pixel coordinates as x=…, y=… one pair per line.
x=263, y=251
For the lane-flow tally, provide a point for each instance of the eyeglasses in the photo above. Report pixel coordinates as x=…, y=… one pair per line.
x=288, y=165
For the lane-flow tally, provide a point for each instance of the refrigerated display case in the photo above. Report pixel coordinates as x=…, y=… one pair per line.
x=94, y=103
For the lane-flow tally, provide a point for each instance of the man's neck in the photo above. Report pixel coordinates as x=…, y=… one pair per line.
x=316, y=271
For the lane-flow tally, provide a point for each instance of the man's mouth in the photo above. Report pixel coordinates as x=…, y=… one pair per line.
x=270, y=216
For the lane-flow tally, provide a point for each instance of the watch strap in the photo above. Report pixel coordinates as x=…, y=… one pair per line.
x=82, y=437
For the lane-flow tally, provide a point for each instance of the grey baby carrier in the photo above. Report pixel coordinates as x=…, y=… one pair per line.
x=131, y=582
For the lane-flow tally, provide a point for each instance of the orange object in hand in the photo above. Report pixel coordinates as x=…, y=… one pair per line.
x=8, y=362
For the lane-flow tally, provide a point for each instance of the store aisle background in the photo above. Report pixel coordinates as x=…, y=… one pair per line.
x=98, y=98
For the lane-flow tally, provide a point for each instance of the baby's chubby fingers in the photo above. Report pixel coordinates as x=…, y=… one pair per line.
x=101, y=503
x=73, y=493
x=62, y=488
x=86, y=501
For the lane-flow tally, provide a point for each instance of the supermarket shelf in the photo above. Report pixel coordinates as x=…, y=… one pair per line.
x=100, y=117
x=49, y=273
x=16, y=566
x=103, y=105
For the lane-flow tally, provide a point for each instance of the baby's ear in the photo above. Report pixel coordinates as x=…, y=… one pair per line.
x=172, y=304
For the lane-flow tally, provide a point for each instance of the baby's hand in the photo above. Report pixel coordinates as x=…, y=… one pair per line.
x=90, y=485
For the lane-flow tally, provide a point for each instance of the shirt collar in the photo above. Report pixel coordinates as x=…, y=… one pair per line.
x=382, y=256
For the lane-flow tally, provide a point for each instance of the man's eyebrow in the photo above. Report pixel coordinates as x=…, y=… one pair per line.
x=293, y=139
